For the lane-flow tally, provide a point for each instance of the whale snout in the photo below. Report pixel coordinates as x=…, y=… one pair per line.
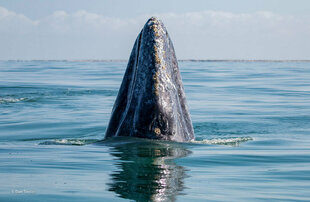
x=151, y=101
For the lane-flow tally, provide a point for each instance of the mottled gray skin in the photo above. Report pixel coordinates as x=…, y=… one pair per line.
x=151, y=101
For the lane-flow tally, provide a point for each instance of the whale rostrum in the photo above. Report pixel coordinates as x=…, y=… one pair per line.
x=151, y=100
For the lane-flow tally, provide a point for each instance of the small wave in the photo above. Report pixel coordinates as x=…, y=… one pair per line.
x=76, y=142
x=11, y=100
x=74, y=92
x=233, y=141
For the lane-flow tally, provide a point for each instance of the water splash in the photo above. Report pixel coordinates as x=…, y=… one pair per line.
x=232, y=141
x=76, y=142
x=11, y=100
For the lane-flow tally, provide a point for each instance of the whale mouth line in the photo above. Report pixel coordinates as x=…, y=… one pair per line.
x=134, y=76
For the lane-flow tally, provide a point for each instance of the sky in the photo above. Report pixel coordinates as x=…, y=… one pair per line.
x=199, y=29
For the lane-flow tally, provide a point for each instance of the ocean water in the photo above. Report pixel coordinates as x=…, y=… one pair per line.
x=251, y=121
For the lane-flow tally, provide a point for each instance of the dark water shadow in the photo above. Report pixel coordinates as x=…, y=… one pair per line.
x=146, y=170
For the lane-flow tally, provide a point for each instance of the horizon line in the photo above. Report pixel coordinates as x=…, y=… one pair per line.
x=181, y=60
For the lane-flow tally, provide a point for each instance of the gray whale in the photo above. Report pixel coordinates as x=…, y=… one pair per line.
x=151, y=100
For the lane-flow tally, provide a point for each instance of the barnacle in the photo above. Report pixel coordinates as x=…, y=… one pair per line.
x=157, y=131
x=155, y=78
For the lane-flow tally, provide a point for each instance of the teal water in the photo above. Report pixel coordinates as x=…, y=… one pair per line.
x=251, y=120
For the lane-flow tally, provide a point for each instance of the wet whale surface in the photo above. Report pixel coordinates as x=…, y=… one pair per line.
x=151, y=101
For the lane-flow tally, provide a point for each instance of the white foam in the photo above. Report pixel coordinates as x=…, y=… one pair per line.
x=77, y=142
x=63, y=142
x=224, y=141
x=10, y=100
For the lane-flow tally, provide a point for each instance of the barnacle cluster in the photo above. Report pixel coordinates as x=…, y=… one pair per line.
x=159, y=53
x=155, y=78
x=157, y=131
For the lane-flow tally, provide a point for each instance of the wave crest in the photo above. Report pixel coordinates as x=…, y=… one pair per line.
x=11, y=100
x=76, y=142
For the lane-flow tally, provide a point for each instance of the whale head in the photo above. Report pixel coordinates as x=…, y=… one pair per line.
x=151, y=101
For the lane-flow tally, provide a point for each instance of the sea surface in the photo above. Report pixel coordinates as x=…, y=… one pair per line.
x=251, y=121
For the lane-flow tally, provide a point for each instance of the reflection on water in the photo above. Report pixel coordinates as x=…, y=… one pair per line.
x=147, y=171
